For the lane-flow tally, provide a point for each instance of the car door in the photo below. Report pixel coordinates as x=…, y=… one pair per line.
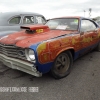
x=90, y=36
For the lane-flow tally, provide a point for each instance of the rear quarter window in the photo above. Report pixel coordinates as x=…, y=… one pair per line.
x=15, y=20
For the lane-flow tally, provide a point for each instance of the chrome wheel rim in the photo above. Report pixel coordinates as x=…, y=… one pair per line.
x=62, y=63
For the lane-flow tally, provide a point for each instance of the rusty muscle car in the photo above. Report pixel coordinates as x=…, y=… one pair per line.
x=52, y=47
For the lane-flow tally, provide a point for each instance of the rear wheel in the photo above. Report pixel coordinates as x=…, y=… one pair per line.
x=62, y=65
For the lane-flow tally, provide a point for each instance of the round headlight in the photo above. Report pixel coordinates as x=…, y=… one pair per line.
x=30, y=54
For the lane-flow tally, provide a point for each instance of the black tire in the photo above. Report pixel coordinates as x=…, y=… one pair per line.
x=62, y=65
x=98, y=47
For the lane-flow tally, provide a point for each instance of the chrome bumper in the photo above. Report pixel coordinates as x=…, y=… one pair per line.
x=20, y=65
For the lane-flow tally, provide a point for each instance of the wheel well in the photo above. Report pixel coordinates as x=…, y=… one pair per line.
x=72, y=52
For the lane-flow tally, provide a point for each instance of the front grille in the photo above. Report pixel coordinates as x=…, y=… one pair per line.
x=12, y=51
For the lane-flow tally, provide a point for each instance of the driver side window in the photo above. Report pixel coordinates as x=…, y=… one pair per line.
x=87, y=25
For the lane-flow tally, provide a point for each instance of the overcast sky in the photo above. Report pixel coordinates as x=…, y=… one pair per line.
x=53, y=8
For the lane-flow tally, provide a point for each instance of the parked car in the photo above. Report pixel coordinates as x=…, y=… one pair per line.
x=10, y=22
x=52, y=47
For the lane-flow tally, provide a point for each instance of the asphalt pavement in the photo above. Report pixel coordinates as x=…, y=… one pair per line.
x=83, y=83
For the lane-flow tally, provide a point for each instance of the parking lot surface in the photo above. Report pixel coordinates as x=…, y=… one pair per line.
x=83, y=83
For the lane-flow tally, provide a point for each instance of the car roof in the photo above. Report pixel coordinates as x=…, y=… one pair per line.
x=70, y=17
x=4, y=17
x=10, y=14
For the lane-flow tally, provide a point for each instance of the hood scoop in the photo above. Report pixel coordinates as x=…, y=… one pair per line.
x=35, y=29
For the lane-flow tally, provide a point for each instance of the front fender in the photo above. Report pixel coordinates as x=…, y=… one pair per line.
x=41, y=67
x=44, y=57
x=65, y=49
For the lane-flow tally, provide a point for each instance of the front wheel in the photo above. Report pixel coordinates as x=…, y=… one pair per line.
x=62, y=65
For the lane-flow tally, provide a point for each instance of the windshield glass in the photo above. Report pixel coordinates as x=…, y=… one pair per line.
x=63, y=23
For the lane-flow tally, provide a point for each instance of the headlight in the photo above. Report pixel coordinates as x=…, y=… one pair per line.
x=30, y=55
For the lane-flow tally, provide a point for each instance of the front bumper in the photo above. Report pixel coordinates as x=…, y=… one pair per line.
x=20, y=65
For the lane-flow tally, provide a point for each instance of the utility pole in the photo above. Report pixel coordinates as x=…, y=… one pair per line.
x=90, y=10
x=84, y=13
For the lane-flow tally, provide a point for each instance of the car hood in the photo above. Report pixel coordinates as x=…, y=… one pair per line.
x=24, y=39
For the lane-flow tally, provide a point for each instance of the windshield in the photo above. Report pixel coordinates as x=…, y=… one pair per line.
x=63, y=24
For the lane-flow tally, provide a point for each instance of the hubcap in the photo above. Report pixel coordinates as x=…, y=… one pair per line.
x=62, y=63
